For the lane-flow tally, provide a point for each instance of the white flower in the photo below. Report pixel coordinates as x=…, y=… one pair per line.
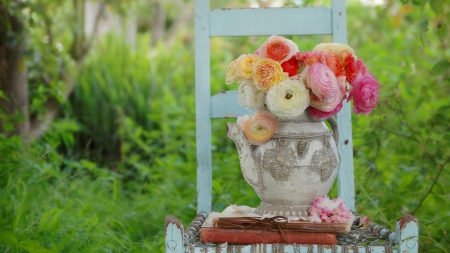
x=288, y=100
x=250, y=96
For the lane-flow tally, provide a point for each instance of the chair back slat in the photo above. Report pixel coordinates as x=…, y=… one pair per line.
x=226, y=105
x=256, y=22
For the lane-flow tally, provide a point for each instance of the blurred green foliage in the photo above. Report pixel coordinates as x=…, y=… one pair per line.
x=122, y=153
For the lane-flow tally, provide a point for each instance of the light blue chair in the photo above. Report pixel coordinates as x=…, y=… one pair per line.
x=254, y=22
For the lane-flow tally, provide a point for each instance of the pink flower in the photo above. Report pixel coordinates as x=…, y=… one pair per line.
x=326, y=210
x=309, y=58
x=365, y=92
x=278, y=49
x=321, y=114
x=323, y=106
x=322, y=81
x=260, y=127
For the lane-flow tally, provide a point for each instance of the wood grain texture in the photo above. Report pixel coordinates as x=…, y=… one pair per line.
x=254, y=22
x=202, y=98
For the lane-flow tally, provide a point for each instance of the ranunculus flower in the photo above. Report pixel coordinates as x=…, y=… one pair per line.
x=260, y=127
x=365, y=92
x=250, y=96
x=322, y=81
x=267, y=73
x=244, y=66
x=230, y=76
x=326, y=210
x=336, y=48
x=334, y=62
x=330, y=106
x=290, y=66
x=321, y=114
x=288, y=100
x=278, y=49
x=309, y=58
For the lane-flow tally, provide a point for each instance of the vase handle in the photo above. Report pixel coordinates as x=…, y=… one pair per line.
x=334, y=127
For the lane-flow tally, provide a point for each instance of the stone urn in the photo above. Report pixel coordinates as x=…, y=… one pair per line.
x=289, y=171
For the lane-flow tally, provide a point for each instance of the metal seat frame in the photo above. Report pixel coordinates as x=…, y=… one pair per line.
x=254, y=22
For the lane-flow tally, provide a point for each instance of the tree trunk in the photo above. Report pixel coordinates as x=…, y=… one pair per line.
x=158, y=23
x=13, y=74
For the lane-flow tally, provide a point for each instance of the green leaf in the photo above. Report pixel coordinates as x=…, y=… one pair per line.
x=8, y=238
x=29, y=245
x=423, y=24
x=442, y=31
x=436, y=6
x=416, y=2
x=440, y=68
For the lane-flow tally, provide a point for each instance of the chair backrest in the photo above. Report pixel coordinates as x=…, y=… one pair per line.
x=255, y=22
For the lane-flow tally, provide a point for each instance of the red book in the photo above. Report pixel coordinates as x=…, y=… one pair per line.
x=240, y=236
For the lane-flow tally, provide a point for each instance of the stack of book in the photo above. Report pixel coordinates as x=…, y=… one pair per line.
x=252, y=230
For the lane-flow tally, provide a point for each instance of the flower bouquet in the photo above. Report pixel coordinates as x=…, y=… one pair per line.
x=280, y=83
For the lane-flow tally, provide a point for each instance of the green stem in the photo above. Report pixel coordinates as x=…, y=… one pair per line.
x=432, y=185
x=383, y=217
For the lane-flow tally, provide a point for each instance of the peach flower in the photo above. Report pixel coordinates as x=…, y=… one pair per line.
x=278, y=49
x=336, y=48
x=244, y=66
x=260, y=127
x=288, y=100
x=268, y=73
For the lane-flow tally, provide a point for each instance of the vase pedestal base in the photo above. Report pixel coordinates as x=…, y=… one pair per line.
x=278, y=210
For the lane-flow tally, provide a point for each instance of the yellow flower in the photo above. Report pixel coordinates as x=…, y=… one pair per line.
x=244, y=66
x=336, y=48
x=268, y=73
x=230, y=76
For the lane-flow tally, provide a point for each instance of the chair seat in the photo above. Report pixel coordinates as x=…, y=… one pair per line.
x=374, y=238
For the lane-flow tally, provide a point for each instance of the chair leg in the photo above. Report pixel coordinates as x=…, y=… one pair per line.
x=174, y=235
x=407, y=233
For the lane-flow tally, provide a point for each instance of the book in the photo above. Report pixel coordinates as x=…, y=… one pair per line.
x=242, y=236
x=251, y=230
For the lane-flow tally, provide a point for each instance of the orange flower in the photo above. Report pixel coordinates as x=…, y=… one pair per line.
x=278, y=49
x=260, y=127
x=268, y=73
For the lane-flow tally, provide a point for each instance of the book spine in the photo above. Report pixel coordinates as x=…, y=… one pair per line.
x=236, y=236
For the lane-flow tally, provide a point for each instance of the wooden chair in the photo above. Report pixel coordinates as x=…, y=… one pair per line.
x=254, y=22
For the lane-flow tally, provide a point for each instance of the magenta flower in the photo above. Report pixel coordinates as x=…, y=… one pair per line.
x=321, y=114
x=365, y=92
x=326, y=210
